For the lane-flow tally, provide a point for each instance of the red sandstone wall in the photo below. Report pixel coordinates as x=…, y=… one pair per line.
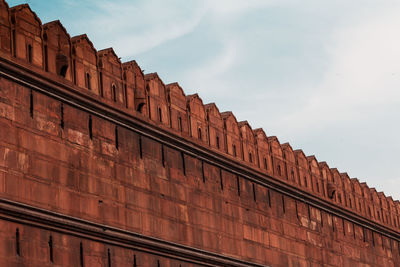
x=60, y=158
x=23, y=245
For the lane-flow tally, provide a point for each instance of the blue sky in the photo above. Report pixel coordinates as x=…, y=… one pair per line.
x=321, y=75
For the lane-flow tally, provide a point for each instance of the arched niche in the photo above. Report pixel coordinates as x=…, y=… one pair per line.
x=111, y=84
x=232, y=134
x=392, y=211
x=197, y=118
x=315, y=174
x=84, y=63
x=348, y=190
x=303, y=168
x=290, y=161
x=134, y=80
x=337, y=179
x=57, y=50
x=5, y=29
x=367, y=200
x=177, y=104
x=248, y=143
x=157, y=99
x=215, y=126
x=328, y=185
x=26, y=35
x=356, y=187
x=357, y=192
x=377, y=215
x=263, y=150
x=383, y=201
x=277, y=157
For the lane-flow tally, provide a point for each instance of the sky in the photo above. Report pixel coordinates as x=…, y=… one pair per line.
x=321, y=75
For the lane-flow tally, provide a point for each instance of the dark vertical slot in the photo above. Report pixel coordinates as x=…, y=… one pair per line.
x=398, y=246
x=183, y=163
x=134, y=261
x=149, y=108
x=51, y=249
x=14, y=43
x=202, y=172
x=74, y=66
x=126, y=96
x=321, y=217
x=81, y=255
x=46, y=59
x=180, y=124
x=158, y=263
x=31, y=104
x=30, y=53
x=101, y=84
x=90, y=127
x=238, y=184
x=116, y=138
x=114, y=93
x=283, y=204
x=364, y=237
x=62, y=115
x=382, y=241
x=308, y=210
x=220, y=179
x=254, y=193
x=373, y=238
x=17, y=243
x=333, y=223
x=88, y=82
x=109, y=257
x=344, y=229
x=140, y=147
x=297, y=211
x=162, y=156
x=354, y=231
x=269, y=198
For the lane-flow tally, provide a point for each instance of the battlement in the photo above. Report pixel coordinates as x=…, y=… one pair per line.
x=100, y=74
x=49, y=51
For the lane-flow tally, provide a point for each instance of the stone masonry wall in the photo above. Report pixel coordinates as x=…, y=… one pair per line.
x=64, y=159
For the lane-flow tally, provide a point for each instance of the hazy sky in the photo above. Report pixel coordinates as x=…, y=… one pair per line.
x=321, y=75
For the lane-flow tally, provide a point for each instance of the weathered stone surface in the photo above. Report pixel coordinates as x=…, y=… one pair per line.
x=56, y=156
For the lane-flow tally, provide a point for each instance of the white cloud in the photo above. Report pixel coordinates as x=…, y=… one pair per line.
x=136, y=27
x=208, y=75
x=364, y=73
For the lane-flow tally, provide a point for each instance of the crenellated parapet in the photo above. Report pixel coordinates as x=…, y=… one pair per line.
x=84, y=64
x=49, y=50
x=5, y=29
x=112, y=87
x=57, y=50
x=215, y=127
x=26, y=35
x=134, y=84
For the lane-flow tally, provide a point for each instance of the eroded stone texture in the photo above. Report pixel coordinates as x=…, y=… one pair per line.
x=62, y=158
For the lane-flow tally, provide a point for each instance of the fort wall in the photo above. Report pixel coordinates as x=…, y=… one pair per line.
x=58, y=156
